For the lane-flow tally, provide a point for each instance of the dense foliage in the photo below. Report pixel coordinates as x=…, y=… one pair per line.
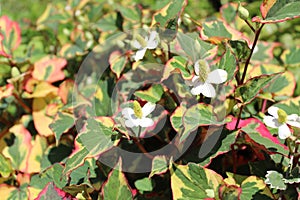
x=151, y=100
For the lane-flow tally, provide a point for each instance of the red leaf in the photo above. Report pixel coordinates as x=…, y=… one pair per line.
x=51, y=190
x=10, y=36
x=265, y=7
x=49, y=69
x=262, y=129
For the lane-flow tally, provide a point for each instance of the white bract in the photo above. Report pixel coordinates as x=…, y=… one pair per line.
x=204, y=78
x=143, y=44
x=137, y=115
x=281, y=120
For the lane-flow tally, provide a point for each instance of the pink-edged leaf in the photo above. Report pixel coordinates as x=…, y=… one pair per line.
x=39, y=146
x=284, y=85
x=62, y=122
x=116, y=186
x=50, y=191
x=263, y=52
x=65, y=90
x=223, y=148
x=18, y=152
x=49, y=69
x=10, y=36
x=258, y=132
x=160, y=165
x=274, y=11
x=218, y=30
x=117, y=62
x=265, y=7
x=6, y=90
x=262, y=129
x=40, y=118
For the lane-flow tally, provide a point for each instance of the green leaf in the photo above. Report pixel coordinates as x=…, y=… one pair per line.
x=20, y=193
x=70, y=51
x=228, y=63
x=194, y=182
x=159, y=165
x=51, y=192
x=216, y=29
x=179, y=62
x=75, y=160
x=52, y=174
x=10, y=34
x=129, y=12
x=249, y=90
x=176, y=117
x=275, y=11
x=291, y=56
x=152, y=94
x=144, y=184
x=224, y=146
x=107, y=23
x=97, y=137
x=240, y=49
x=193, y=47
x=171, y=10
x=117, y=62
x=257, y=137
x=62, y=123
x=19, y=151
x=275, y=180
x=83, y=173
x=250, y=186
x=198, y=115
x=5, y=167
x=116, y=186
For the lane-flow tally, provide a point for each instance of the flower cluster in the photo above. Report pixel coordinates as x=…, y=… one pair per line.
x=137, y=116
x=279, y=119
x=143, y=44
x=204, y=78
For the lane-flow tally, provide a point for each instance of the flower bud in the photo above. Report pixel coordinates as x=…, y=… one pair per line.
x=243, y=12
x=15, y=72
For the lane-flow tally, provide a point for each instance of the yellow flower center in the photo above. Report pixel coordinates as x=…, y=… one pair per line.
x=282, y=116
x=137, y=109
x=203, y=70
x=141, y=40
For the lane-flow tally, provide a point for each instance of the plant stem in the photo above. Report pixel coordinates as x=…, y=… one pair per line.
x=264, y=105
x=257, y=33
x=251, y=27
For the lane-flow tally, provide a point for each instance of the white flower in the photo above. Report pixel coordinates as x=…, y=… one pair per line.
x=281, y=120
x=204, y=78
x=137, y=115
x=143, y=44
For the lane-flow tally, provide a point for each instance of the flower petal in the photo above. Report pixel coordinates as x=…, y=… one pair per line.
x=205, y=88
x=293, y=120
x=273, y=111
x=146, y=122
x=127, y=113
x=140, y=54
x=217, y=76
x=136, y=44
x=209, y=90
x=148, y=108
x=197, y=67
x=284, y=131
x=131, y=123
x=271, y=121
x=197, y=89
x=152, y=42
